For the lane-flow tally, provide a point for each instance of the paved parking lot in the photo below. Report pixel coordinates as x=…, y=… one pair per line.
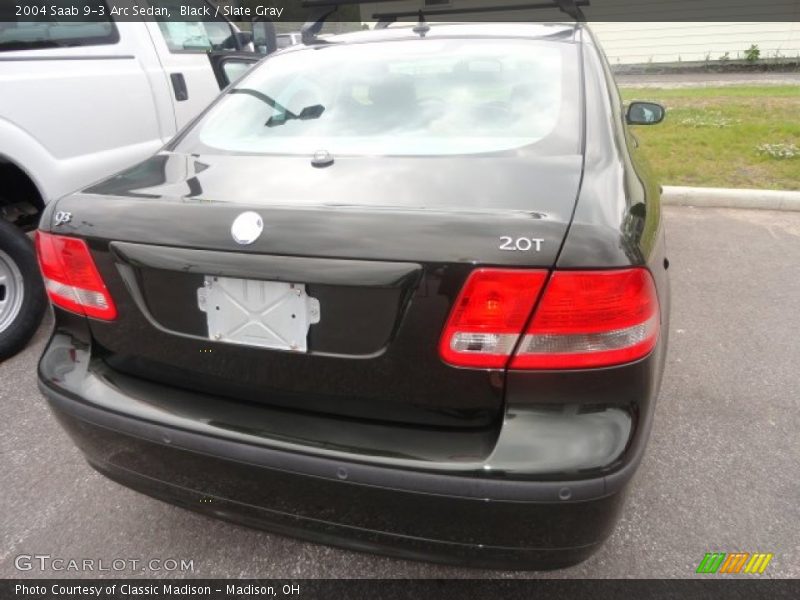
x=721, y=472
x=706, y=79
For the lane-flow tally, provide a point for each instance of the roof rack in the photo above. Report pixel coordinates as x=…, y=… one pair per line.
x=321, y=10
x=569, y=7
x=325, y=8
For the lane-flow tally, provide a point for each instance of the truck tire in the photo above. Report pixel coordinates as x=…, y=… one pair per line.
x=22, y=296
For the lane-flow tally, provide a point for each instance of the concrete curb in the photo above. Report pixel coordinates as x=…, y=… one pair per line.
x=731, y=198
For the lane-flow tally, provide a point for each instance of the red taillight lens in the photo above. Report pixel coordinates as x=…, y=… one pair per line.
x=71, y=277
x=585, y=319
x=591, y=319
x=488, y=317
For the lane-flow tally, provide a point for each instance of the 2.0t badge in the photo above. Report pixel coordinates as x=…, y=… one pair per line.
x=247, y=228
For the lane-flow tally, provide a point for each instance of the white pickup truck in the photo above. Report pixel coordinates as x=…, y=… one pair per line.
x=80, y=101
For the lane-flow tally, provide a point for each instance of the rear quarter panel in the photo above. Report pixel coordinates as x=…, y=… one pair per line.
x=617, y=223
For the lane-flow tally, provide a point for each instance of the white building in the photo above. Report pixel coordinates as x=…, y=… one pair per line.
x=630, y=42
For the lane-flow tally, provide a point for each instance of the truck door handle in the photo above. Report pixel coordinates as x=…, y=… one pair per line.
x=179, y=87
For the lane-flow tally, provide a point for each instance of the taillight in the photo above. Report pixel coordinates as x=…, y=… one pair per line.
x=591, y=319
x=71, y=277
x=488, y=317
x=584, y=319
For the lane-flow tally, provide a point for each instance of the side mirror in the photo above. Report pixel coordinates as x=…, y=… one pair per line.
x=265, y=38
x=243, y=39
x=645, y=113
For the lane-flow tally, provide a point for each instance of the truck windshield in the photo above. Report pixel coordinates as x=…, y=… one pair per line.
x=415, y=97
x=41, y=34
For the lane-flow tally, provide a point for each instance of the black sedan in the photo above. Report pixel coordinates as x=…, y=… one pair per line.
x=402, y=291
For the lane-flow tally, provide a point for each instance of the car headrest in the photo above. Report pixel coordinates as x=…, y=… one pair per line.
x=393, y=91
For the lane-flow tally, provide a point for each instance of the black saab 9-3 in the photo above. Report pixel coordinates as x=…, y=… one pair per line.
x=401, y=290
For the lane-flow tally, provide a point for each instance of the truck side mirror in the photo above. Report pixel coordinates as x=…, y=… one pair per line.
x=265, y=39
x=243, y=40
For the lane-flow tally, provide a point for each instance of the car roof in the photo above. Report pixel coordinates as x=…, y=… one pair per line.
x=405, y=31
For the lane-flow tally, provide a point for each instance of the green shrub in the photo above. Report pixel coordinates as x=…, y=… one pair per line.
x=752, y=54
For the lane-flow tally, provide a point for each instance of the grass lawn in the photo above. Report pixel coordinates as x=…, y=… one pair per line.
x=711, y=136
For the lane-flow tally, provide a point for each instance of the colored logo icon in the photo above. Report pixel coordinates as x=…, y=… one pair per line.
x=734, y=562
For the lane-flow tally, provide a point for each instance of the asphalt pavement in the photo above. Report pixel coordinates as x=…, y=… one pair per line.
x=721, y=473
x=706, y=79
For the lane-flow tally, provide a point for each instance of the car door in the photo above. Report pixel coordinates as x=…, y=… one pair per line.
x=79, y=100
x=183, y=47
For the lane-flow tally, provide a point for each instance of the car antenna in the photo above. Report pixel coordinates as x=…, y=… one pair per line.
x=422, y=26
x=310, y=29
x=572, y=8
x=321, y=10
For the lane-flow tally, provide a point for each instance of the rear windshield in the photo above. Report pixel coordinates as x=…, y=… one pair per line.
x=431, y=97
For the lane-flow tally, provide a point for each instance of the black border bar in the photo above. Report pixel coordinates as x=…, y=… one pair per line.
x=395, y=589
x=479, y=11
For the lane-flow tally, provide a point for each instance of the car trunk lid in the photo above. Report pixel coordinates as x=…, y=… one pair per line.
x=382, y=259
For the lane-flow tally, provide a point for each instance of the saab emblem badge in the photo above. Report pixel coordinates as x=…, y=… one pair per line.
x=247, y=228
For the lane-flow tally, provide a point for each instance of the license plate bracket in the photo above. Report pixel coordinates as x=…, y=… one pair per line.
x=263, y=314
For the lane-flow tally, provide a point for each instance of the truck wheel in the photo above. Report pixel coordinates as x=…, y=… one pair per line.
x=22, y=296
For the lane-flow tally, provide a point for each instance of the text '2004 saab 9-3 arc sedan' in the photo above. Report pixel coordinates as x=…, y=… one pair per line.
x=403, y=291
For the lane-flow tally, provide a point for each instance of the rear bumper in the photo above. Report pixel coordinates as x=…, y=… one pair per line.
x=261, y=488
x=489, y=521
